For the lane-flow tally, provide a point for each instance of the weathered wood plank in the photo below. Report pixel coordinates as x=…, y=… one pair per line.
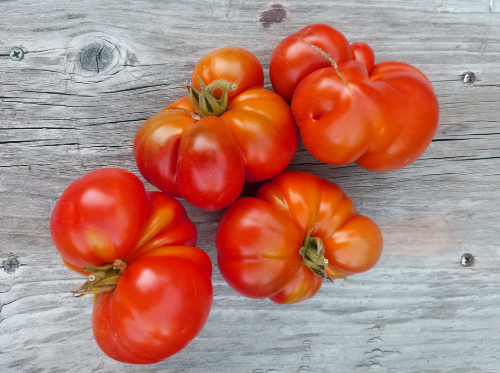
x=418, y=310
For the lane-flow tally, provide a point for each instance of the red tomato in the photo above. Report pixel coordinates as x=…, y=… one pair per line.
x=160, y=303
x=275, y=245
x=207, y=158
x=161, y=300
x=293, y=59
x=382, y=117
x=234, y=64
x=99, y=217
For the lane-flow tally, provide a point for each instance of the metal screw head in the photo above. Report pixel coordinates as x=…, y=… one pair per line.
x=467, y=260
x=10, y=265
x=469, y=77
x=16, y=54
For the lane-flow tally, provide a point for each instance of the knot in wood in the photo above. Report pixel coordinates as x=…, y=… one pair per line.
x=97, y=57
x=276, y=14
x=467, y=260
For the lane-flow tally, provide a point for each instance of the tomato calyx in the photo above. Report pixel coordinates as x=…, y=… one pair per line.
x=327, y=57
x=313, y=254
x=101, y=279
x=203, y=101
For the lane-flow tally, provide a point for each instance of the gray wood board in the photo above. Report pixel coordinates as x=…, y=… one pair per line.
x=418, y=310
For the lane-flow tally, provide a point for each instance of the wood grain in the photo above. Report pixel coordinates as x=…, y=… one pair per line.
x=419, y=310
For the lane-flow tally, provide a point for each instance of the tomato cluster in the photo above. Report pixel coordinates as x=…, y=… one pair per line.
x=152, y=287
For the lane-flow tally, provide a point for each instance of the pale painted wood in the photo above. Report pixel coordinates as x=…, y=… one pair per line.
x=419, y=310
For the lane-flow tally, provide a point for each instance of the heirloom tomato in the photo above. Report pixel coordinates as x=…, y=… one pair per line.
x=152, y=288
x=299, y=229
x=381, y=116
x=228, y=131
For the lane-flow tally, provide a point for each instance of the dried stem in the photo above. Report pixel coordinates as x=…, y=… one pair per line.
x=313, y=254
x=102, y=278
x=327, y=57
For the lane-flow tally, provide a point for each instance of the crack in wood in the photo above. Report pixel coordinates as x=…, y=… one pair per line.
x=6, y=304
x=144, y=87
x=378, y=351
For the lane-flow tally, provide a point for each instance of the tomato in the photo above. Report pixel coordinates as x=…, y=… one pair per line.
x=293, y=59
x=160, y=303
x=152, y=288
x=381, y=116
x=227, y=132
x=297, y=230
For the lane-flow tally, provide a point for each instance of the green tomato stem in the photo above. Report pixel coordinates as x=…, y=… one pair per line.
x=203, y=100
x=313, y=254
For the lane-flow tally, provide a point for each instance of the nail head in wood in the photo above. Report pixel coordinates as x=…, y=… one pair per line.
x=16, y=54
x=467, y=260
x=468, y=77
x=10, y=265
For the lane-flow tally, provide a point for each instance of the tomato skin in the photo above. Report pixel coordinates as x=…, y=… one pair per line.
x=211, y=172
x=163, y=297
x=382, y=121
x=304, y=285
x=167, y=224
x=234, y=64
x=156, y=147
x=254, y=140
x=348, y=137
x=99, y=217
x=351, y=251
x=257, y=262
x=292, y=60
x=258, y=239
x=265, y=130
x=363, y=53
x=159, y=305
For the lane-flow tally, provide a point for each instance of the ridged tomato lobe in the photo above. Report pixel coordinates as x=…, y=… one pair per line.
x=99, y=217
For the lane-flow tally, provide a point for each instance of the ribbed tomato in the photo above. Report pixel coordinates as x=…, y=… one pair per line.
x=227, y=132
x=298, y=230
x=381, y=116
x=152, y=289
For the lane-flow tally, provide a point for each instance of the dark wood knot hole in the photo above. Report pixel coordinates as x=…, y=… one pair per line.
x=97, y=57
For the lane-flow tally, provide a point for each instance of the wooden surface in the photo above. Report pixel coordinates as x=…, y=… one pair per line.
x=64, y=114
